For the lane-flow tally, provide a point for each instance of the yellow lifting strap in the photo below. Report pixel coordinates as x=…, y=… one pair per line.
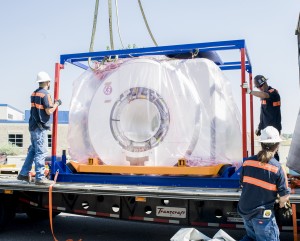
x=112, y=47
x=146, y=23
x=93, y=33
x=94, y=26
x=118, y=25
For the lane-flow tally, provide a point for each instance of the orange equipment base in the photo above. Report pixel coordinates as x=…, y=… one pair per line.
x=159, y=170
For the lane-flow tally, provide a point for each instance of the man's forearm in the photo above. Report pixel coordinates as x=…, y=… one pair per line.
x=260, y=94
x=283, y=200
x=50, y=111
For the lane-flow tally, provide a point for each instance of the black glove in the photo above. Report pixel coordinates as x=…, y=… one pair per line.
x=286, y=210
x=284, y=213
x=58, y=102
x=257, y=132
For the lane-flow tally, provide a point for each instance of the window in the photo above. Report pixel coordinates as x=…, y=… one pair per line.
x=10, y=116
x=16, y=139
x=49, y=140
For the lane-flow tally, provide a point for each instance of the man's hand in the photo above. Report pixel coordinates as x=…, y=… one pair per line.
x=58, y=102
x=284, y=211
x=257, y=132
x=246, y=87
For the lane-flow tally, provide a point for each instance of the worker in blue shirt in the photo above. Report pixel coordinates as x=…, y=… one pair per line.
x=39, y=124
x=262, y=180
x=270, y=113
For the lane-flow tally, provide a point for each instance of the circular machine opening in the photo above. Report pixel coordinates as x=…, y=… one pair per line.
x=139, y=119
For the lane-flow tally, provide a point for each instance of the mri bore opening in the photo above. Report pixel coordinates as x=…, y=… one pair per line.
x=139, y=120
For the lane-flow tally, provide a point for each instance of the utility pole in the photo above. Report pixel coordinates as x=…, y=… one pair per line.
x=298, y=33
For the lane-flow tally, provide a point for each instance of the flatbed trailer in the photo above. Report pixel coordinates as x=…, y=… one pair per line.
x=176, y=199
x=185, y=206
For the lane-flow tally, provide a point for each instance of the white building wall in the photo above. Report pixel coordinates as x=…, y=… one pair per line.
x=3, y=112
x=9, y=113
x=13, y=114
x=22, y=128
x=12, y=122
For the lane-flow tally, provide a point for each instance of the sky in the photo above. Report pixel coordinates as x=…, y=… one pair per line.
x=34, y=33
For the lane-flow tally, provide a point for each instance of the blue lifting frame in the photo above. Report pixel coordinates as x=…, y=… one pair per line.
x=229, y=177
x=77, y=59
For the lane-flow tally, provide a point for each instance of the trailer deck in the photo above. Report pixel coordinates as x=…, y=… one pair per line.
x=9, y=182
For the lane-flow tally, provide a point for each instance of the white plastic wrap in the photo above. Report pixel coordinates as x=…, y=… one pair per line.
x=152, y=112
x=294, y=153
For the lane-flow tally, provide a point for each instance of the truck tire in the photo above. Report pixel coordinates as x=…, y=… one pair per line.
x=7, y=210
x=39, y=214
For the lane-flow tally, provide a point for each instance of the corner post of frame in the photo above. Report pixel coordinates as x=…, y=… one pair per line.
x=244, y=109
x=251, y=115
x=58, y=67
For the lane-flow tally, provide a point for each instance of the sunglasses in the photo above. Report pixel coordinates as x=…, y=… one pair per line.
x=259, y=86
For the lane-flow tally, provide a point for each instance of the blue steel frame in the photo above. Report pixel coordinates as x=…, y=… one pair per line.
x=77, y=59
x=228, y=179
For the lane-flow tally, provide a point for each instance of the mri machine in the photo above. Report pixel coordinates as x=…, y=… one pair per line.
x=153, y=111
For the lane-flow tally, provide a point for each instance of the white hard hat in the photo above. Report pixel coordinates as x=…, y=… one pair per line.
x=270, y=135
x=42, y=77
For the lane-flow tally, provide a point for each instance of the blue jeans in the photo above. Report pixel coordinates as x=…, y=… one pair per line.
x=37, y=153
x=261, y=229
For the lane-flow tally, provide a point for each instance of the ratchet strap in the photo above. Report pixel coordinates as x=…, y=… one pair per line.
x=50, y=204
x=50, y=208
x=295, y=227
